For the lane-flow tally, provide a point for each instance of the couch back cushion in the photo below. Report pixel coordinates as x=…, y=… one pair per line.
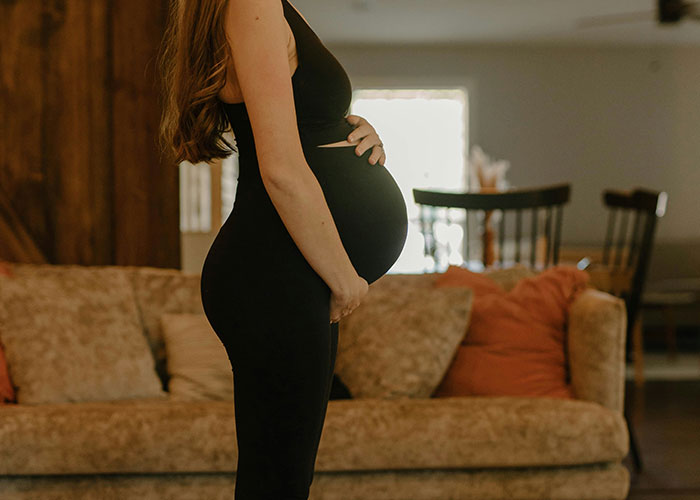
x=159, y=291
x=197, y=361
x=399, y=341
x=515, y=345
x=72, y=333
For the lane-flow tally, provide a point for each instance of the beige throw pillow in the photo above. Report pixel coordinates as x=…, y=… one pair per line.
x=400, y=340
x=196, y=360
x=72, y=333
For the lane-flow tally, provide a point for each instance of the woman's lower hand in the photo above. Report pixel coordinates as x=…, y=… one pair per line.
x=345, y=301
x=368, y=139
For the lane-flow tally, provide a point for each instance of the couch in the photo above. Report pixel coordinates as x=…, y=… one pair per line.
x=452, y=448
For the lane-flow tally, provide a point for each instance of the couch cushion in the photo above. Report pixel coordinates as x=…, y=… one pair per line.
x=197, y=361
x=364, y=434
x=124, y=436
x=163, y=290
x=72, y=333
x=400, y=340
x=475, y=431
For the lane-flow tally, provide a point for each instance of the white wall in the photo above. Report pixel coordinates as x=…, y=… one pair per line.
x=594, y=116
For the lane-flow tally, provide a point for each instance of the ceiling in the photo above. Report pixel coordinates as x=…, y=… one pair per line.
x=489, y=21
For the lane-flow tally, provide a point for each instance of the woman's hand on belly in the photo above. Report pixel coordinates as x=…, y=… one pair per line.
x=368, y=137
x=364, y=136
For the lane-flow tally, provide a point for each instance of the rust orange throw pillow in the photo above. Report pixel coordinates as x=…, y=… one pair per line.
x=515, y=343
x=7, y=391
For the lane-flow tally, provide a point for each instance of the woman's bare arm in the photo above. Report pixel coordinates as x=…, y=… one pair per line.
x=256, y=34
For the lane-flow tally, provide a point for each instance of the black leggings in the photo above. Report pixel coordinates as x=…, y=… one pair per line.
x=271, y=311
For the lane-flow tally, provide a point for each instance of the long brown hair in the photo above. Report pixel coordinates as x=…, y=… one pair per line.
x=192, y=60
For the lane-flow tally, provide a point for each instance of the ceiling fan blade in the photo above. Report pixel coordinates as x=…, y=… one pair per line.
x=613, y=19
x=672, y=11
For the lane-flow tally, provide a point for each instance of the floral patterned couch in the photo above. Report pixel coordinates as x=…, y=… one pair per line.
x=151, y=447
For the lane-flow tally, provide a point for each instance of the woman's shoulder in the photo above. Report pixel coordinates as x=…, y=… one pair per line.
x=231, y=92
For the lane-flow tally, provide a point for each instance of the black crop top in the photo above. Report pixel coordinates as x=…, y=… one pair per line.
x=322, y=92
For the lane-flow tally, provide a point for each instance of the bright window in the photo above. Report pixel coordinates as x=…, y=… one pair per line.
x=195, y=197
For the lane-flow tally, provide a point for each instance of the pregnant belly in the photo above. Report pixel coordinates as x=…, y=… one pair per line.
x=367, y=205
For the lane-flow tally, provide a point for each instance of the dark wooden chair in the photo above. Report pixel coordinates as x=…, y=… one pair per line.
x=668, y=296
x=524, y=209
x=622, y=269
x=623, y=266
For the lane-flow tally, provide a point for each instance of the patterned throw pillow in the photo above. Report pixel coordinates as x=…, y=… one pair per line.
x=196, y=360
x=400, y=339
x=72, y=333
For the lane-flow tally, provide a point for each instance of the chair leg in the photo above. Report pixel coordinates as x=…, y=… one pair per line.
x=638, y=346
x=670, y=329
x=634, y=449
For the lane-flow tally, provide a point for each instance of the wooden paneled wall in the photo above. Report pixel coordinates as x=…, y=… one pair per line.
x=81, y=180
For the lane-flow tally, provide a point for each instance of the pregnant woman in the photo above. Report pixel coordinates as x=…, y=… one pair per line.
x=313, y=223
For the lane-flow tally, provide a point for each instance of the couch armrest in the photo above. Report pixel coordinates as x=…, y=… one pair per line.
x=596, y=348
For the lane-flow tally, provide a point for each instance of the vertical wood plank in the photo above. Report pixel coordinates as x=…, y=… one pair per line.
x=79, y=165
x=146, y=199
x=76, y=117
x=21, y=110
